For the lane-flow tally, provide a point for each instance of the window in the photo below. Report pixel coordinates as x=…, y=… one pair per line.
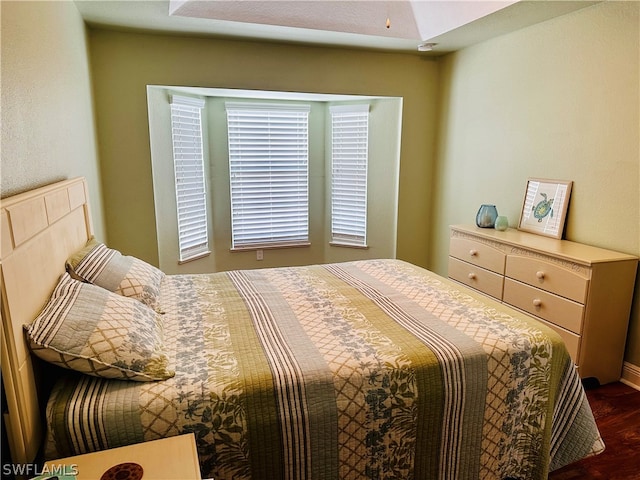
x=349, y=157
x=236, y=248
x=269, y=172
x=188, y=160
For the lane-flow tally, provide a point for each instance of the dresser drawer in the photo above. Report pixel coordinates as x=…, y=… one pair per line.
x=557, y=310
x=476, y=277
x=570, y=339
x=548, y=276
x=478, y=254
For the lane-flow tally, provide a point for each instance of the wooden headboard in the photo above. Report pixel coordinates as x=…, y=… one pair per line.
x=39, y=230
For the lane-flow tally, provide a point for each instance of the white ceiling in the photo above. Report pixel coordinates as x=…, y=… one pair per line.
x=450, y=24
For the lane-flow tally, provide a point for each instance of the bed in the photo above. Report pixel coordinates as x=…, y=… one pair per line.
x=368, y=369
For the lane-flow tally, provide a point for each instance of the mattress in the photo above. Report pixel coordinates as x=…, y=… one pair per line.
x=371, y=369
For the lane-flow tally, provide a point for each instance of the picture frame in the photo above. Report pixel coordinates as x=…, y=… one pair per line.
x=544, y=209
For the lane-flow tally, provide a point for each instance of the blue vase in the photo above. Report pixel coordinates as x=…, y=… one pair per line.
x=486, y=216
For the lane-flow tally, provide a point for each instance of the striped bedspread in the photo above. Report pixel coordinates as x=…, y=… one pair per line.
x=364, y=370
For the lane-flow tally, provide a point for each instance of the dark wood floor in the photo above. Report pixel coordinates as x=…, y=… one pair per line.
x=616, y=408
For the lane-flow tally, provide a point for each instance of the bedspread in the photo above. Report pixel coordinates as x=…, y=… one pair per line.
x=371, y=369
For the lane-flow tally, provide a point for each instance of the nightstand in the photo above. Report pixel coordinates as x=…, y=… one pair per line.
x=173, y=458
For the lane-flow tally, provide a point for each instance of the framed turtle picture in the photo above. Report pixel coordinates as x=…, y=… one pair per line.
x=545, y=207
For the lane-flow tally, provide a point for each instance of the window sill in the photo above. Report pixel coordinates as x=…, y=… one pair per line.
x=348, y=245
x=274, y=246
x=195, y=257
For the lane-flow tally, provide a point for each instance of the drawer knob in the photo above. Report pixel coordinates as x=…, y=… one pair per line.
x=537, y=302
x=540, y=274
x=473, y=253
x=472, y=276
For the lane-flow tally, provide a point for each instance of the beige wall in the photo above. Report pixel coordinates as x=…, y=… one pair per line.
x=48, y=130
x=125, y=63
x=557, y=100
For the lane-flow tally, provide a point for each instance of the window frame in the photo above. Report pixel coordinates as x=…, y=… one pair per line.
x=188, y=156
x=262, y=126
x=349, y=175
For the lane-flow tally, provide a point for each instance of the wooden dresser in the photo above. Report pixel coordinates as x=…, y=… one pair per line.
x=582, y=292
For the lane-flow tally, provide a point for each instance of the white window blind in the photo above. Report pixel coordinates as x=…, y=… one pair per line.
x=269, y=172
x=349, y=157
x=188, y=159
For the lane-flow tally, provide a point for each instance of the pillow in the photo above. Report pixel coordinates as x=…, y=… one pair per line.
x=125, y=275
x=86, y=328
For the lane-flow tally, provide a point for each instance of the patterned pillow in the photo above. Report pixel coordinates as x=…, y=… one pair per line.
x=91, y=330
x=125, y=275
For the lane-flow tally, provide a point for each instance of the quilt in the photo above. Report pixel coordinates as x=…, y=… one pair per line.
x=374, y=369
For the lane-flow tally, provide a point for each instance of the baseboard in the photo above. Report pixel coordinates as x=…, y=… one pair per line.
x=631, y=375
